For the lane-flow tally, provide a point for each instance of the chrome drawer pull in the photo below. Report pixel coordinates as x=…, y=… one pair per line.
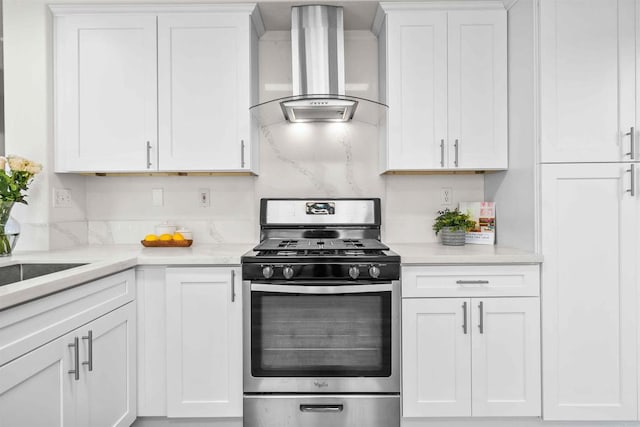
x=442, y=153
x=455, y=144
x=632, y=189
x=464, y=317
x=472, y=282
x=76, y=354
x=481, y=323
x=89, y=338
x=632, y=141
x=322, y=408
x=233, y=285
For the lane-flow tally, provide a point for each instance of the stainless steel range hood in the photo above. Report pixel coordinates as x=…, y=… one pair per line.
x=317, y=47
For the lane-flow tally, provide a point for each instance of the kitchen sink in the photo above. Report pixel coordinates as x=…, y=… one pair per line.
x=17, y=272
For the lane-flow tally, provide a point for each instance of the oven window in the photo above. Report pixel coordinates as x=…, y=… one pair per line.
x=301, y=335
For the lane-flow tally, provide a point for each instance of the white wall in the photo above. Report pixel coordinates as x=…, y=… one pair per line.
x=512, y=190
x=309, y=160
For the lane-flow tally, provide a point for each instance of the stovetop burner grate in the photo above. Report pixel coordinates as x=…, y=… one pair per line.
x=321, y=246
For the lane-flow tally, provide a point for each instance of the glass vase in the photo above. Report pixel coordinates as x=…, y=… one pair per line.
x=9, y=229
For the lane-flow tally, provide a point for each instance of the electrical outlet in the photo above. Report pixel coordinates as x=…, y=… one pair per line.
x=446, y=195
x=61, y=198
x=204, y=198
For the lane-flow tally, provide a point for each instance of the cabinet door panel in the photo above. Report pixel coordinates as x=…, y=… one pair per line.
x=589, y=292
x=587, y=79
x=417, y=87
x=36, y=389
x=105, y=92
x=204, y=333
x=203, y=75
x=436, y=358
x=506, y=357
x=110, y=395
x=477, y=54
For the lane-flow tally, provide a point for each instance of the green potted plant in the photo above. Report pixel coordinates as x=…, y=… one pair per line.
x=453, y=224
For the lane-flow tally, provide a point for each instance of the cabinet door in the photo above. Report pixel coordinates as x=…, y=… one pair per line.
x=506, y=357
x=417, y=88
x=436, y=357
x=36, y=389
x=589, y=284
x=108, y=352
x=204, y=342
x=203, y=83
x=477, y=52
x=105, y=92
x=587, y=50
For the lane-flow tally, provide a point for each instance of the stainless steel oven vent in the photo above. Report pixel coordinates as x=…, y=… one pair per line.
x=318, y=74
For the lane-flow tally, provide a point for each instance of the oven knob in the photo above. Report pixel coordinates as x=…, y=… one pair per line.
x=287, y=272
x=267, y=271
x=374, y=271
x=354, y=272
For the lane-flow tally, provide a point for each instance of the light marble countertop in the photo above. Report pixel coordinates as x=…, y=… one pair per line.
x=103, y=260
x=436, y=253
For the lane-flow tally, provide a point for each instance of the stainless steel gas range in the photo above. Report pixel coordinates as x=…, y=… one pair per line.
x=321, y=317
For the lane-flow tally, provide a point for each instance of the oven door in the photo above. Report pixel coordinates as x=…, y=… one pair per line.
x=321, y=338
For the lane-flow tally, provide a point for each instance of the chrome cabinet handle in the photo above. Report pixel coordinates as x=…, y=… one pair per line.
x=442, y=153
x=76, y=353
x=481, y=323
x=455, y=146
x=89, y=362
x=472, y=282
x=632, y=140
x=148, y=155
x=464, y=317
x=322, y=408
x=233, y=285
x=242, y=153
x=632, y=189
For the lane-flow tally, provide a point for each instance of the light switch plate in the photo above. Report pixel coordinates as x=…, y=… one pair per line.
x=157, y=196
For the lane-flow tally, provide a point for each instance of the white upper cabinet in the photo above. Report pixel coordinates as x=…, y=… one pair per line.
x=204, y=84
x=150, y=88
x=105, y=89
x=444, y=76
x=588, y=90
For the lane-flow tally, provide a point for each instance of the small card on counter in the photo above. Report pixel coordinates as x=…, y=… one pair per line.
x=484, y=215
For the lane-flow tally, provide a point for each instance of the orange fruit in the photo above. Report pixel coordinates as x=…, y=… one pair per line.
x=178, y=236
x=166, y=237
x=150, y=238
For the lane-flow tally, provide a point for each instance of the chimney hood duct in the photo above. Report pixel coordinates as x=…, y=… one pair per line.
x=317, y=56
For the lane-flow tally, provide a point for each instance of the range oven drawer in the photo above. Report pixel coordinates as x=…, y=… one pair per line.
x=321, y=411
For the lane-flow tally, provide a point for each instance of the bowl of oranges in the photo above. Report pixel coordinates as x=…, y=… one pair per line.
x=166, y=240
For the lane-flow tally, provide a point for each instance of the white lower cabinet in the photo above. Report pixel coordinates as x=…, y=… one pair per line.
x=36, y=390
x=42, y=388
x=466, y=357
x=590, y=241
x=190, y=342
x=204, y=342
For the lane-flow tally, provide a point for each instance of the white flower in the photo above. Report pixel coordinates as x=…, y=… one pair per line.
x=17, y=163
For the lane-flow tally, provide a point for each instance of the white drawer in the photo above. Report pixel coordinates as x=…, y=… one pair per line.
x=470, y=280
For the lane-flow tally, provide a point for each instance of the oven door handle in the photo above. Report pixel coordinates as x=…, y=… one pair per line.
x=321, y=290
